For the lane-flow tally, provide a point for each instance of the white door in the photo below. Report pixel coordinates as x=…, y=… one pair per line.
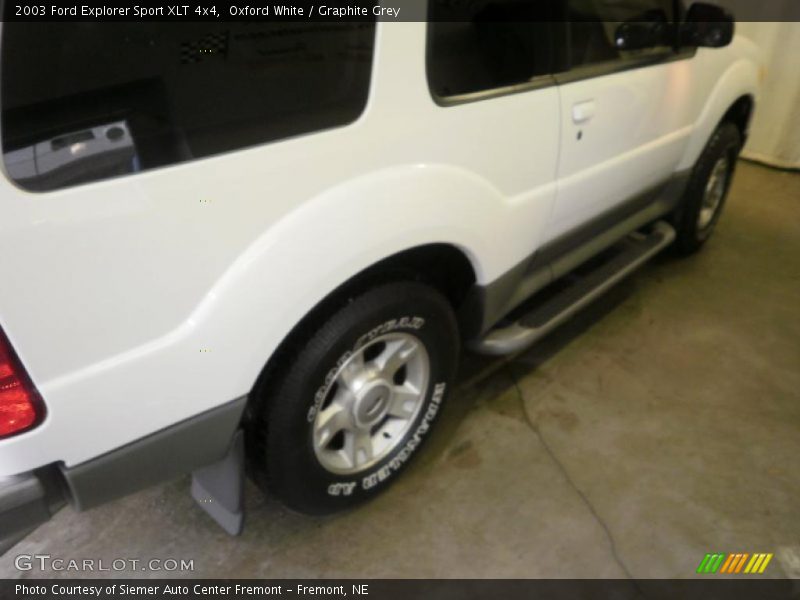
x=623, y=113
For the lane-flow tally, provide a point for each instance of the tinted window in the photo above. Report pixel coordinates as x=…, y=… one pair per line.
x=483, y=45
x=593, y=24
x=86, y=101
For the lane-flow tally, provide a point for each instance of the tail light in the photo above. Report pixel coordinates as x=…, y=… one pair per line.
x=20, y=405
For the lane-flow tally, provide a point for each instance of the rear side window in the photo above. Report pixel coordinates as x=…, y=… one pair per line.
x=83, y=101
x=593, y=24
x=484, y=45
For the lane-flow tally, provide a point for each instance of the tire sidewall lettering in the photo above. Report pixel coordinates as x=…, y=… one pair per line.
x=322, y=391
x=414, y=323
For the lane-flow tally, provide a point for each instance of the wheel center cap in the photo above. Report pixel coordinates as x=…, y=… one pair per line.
x=372, y=403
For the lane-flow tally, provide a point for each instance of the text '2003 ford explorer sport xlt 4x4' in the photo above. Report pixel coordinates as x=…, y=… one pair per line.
x=263, y=245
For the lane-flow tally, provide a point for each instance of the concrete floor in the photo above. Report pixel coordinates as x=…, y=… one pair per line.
x=661, y=424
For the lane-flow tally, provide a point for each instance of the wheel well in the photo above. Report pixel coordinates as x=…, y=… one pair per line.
x=739, y=114
x=442, y=266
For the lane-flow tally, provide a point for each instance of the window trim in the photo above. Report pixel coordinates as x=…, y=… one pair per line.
x=535, y=83
x=612, y=67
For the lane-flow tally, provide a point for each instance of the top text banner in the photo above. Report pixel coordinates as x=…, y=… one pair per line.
x=339, y=10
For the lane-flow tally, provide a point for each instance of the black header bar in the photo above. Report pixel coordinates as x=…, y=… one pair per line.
x=712, y=588
x=314, y=10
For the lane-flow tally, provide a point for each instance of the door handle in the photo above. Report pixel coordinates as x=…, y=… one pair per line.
x=583, y=112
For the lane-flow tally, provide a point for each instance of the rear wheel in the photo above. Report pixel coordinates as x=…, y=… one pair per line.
x=707, y=189
x=357, y=398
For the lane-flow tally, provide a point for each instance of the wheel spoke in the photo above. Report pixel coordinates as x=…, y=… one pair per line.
x=330, y=422
x=714, y=194
x=710, y=185
x=359, y=447
x=404, y=401
x=396, y=354
x=349, y=375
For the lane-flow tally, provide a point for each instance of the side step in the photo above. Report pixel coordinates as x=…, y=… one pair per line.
x=633, y=252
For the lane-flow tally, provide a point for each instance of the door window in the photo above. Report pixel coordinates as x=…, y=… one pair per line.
x=486, y=45
x=594, y=23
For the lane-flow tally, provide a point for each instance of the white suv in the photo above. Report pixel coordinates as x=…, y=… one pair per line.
x=262, y=245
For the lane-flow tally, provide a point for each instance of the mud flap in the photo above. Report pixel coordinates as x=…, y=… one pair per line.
x=219, y=487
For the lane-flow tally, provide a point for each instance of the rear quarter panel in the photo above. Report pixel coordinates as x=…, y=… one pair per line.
x=139, y=302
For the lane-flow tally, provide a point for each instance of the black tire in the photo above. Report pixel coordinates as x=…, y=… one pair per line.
x=691, y=236
x=284, y=416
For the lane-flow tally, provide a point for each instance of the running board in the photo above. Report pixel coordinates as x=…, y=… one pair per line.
x=634, y=251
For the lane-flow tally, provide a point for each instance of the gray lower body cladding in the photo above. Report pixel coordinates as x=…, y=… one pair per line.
x=31, y=498
x=486, y=305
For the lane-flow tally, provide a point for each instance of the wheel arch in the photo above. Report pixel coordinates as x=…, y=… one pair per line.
x=740, y=114
x=443, y=266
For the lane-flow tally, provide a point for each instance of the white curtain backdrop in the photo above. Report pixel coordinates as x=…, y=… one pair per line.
x=775, y=130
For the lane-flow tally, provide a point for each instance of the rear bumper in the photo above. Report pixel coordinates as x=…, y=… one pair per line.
x=28, y=500
x=162, y=456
